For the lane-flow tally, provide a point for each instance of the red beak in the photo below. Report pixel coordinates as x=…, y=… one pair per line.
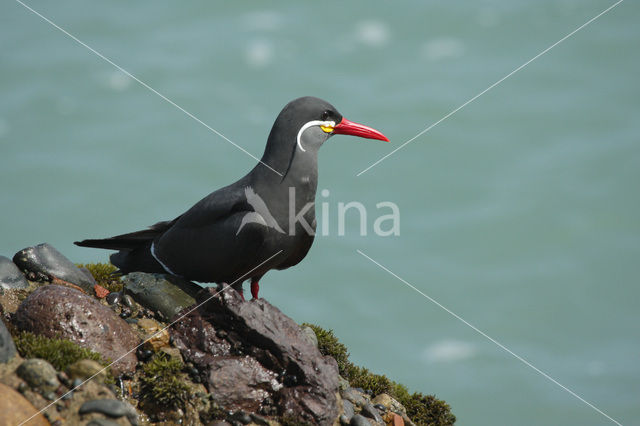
x=346, y=127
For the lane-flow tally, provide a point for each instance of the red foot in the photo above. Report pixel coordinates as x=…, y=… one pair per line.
x=255, y=288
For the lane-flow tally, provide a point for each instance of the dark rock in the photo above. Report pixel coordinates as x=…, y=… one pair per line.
x=144, y=354
x=112, y=408
x=128, y=301
x=10, y=275
x=7, y=347
x=114, y=298
x=369, y=411
x=45, y=260
x=102, y=422
x=359, y=420
x=278, y=347
x=348, y=408
x=198, y=340
x=380, y=407
x=242, y=417
x=161, y=293
x=240, y=383
x=57, y=311
x=259, y=420
x=39, y=374
x=356, y=397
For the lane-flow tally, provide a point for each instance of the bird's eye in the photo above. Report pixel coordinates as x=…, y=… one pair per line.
x=326, y=115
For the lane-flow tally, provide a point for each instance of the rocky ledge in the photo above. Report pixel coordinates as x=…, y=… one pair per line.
x=81, y=345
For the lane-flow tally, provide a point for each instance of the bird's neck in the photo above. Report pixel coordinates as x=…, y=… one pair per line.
x=294, y=188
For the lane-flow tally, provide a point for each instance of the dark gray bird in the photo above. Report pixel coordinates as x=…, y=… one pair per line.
x=265, y=220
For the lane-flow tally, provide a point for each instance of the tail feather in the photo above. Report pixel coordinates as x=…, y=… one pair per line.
x=129, y=241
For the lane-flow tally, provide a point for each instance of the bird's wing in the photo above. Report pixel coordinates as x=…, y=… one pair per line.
x=205, y=243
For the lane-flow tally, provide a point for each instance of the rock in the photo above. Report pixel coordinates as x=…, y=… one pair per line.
x=343, y=383
x=114, y=298
x=45, y=260
x=308, y=331
x=241, y=383
x=369, y=411
x=7, y=347
x=228, y=328
x=359, y=420
x=39, y=374
x=355, y=397
x=241, y=416
x=198, y=340
x=86, y=368
x=128, y=301
x=112, y=408
x=57, y=311
x=102, y=422
x=15, y=409
x=348, y=408
x=156, y=292
x=172, y=352
x=396, y=420
x=389, y=403
x=259, y=420
x=100, y=291
x=156, y=337
x=10, y=275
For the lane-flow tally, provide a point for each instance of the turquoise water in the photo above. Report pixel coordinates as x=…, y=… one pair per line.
x=519, y=213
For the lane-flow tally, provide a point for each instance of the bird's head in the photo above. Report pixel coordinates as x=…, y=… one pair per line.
x=317, y=120
x=309, y=122
x=301, y=128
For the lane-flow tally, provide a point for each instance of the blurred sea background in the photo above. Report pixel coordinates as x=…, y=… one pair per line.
x=520, y=212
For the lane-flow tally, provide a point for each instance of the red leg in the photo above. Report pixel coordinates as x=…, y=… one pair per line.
x=255, y=287
x=238, y=287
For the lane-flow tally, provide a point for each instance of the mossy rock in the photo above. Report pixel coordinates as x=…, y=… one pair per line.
x=163, y=384
x=422, y=409
x=105, y=274
x=60, y=353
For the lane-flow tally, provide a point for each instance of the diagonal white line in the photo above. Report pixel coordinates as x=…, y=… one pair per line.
x=490, y=87
x=241, y=278
x=476, y=329
x=100, y=55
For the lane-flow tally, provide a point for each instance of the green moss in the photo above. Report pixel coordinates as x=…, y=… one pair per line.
x=105, y=274
x=421, y=409
x=329, y=344
x=60, y=353
x=360, y=377
x=428, y=410
x=163, y=383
